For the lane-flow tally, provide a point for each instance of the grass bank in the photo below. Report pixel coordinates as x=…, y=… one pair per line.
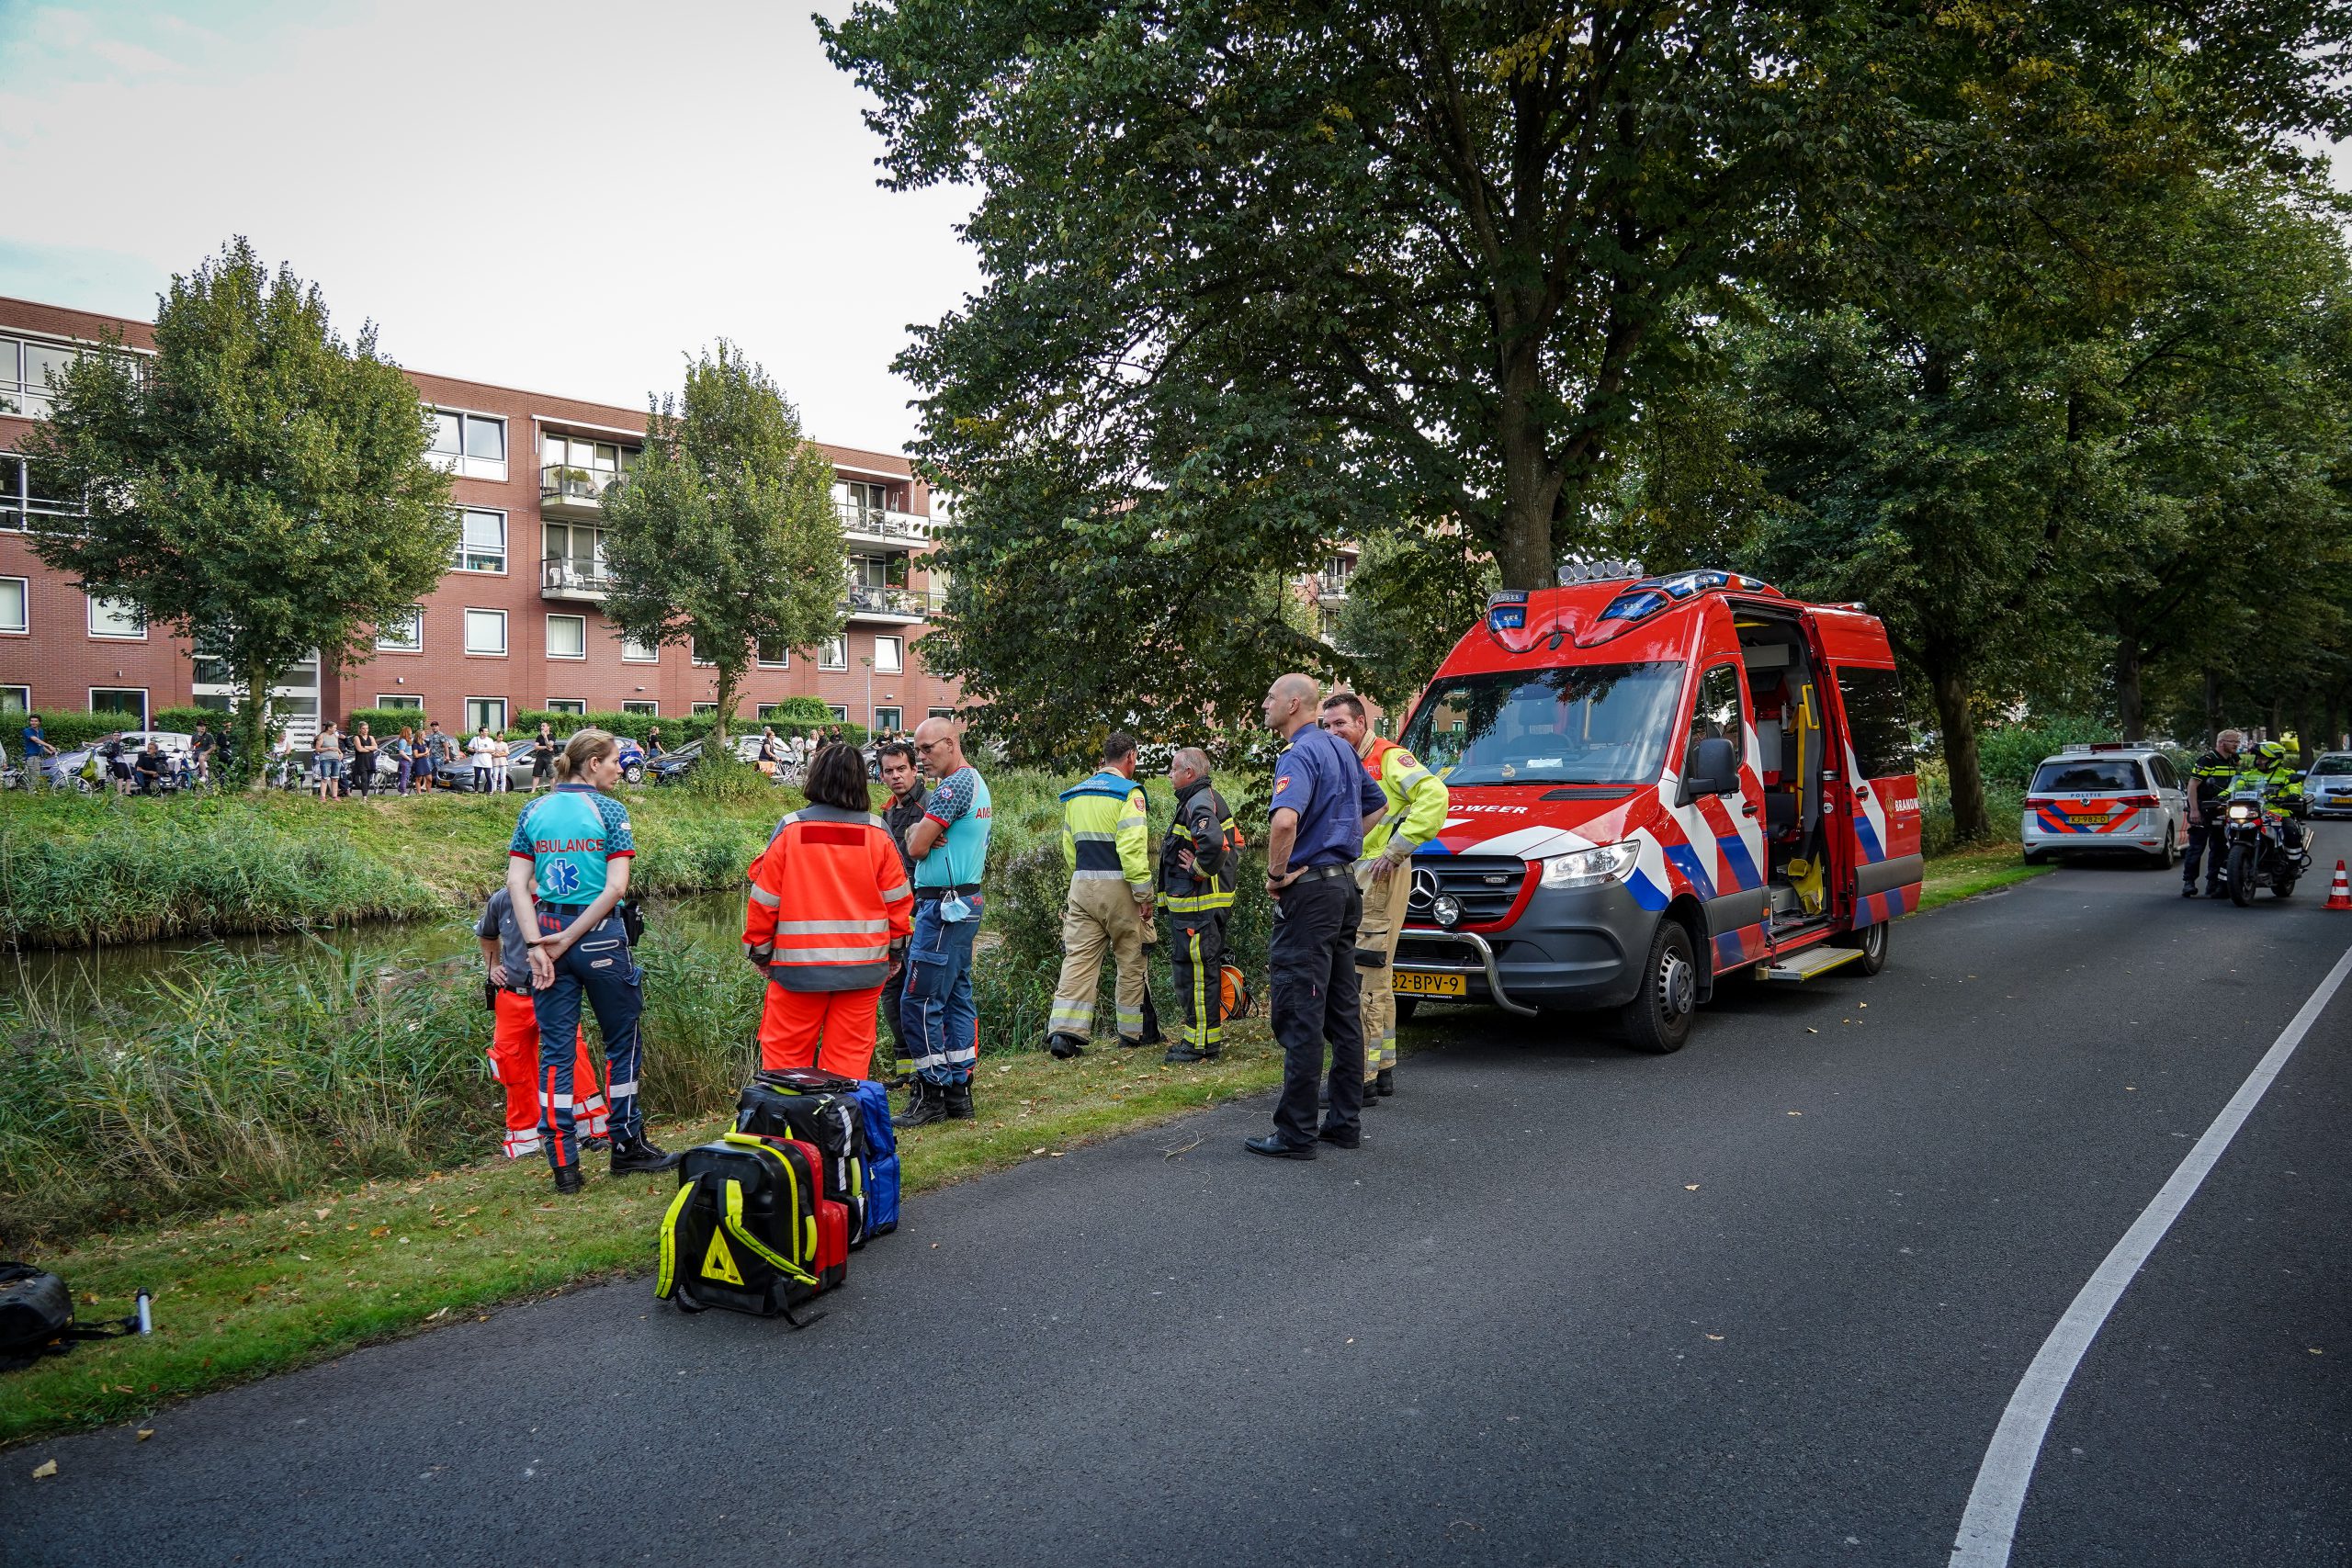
x=78, y=870
x=1963, y=874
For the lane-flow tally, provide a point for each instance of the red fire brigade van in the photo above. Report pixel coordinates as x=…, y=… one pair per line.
x=1656, y=782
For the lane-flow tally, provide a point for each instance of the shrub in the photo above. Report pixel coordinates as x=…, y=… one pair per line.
x=2008, y=754
x=388, y=721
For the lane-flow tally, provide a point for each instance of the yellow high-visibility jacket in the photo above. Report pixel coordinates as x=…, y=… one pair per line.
x=1417, y=797
x=1103, y=831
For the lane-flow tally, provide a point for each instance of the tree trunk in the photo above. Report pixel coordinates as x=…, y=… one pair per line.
x=723, y=704
x=1531, y=480
x=253, y=725
x=1958, y=720
x=2127, y=685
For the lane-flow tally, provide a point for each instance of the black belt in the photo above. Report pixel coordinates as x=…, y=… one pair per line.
x=1316, y=872
x=573, y=909
x=932, y=895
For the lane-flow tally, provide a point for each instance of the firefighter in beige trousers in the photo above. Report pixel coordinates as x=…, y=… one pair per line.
x=1107, y=843
x=1415, y=814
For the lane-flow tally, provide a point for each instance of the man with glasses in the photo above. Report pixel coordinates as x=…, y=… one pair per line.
x=950, y=846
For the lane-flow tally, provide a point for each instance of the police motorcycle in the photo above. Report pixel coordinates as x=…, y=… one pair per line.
x=2266, y=847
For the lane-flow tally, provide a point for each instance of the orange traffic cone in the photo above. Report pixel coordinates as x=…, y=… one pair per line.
x=2339, y=897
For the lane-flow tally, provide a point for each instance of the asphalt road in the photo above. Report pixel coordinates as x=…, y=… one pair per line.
x=1760, y=1302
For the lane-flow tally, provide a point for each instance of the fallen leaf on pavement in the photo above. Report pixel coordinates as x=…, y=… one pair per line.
x=43, y=1472
x=1796, y=1113
x=1809, y=1030
x=1690, y=1187
x=1714, y=1337
x=145, y=1433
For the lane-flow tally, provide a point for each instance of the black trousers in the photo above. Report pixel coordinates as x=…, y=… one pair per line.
x=1196, y=964
x=1313, y=960
x=2206, y=840
x=894, y=991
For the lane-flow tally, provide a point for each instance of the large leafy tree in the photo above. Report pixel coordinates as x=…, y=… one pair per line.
x=258, y=485
x=1262, y=277
x=723, y=536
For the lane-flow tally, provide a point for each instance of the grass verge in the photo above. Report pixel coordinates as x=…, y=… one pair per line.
x=1963, y=874
x=243, y=1295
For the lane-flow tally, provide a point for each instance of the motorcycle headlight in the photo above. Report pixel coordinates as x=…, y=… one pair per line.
x=2241, y=813
x=1590, y=868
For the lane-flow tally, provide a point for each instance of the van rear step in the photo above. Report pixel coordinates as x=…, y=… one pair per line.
x=1806, y=964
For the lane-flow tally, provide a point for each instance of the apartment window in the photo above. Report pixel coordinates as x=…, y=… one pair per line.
x=939, y=712
x=836, y=656
x=483, y=546
x=635, y=652
x=472, y=444
x=15, y=611
x=869, y=571
x=16, y=699
x=116, y=618
x=127, y=703
x=571, y=706
x=888, y=720
x=568, y=638
x=485, y=712
x=888, y=656
x=766, y=711
x=653, y=709
x=24, y=488
x=771, y=653
x=400, y=702
x=581, y=469
x=694, y=651
x=402, y=634
x=841, y=714
x=486, y=632
x=25, y=369
x=574, y=555
x=700, y=709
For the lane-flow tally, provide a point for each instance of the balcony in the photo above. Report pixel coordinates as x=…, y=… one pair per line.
x=898, y=605
x=873, y=525
x=1331, y=587
x=569, y=491
x=575, y=580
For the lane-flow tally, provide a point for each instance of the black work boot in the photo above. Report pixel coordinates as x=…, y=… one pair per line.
x=1387, y=1082
x=567, y=1179
x=1182, y=1052
x=641, y=1155
x=927, y=1104
x=959, y=1101
x=1064, y=1046
x=1130, y=1043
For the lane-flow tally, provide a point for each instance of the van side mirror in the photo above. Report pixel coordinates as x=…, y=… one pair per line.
x=1713, y=769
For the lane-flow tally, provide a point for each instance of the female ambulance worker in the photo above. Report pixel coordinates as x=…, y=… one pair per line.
x=828, y=899
x=566, y=872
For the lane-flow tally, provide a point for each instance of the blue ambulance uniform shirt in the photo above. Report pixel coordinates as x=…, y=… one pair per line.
x=1319, y=778
x=962, y=809
x=569, y=835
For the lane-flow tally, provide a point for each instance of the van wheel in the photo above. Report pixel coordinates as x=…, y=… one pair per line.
x=1406, y=1007
x=2171, y=855
x=1657, y=1020
x=1873, y=941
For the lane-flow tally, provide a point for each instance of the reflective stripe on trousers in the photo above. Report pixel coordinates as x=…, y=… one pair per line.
x=600, y=967
x=1100, y=917
x=936, y=1006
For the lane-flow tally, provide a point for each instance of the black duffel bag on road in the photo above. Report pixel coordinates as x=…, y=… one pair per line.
x=37, y=1317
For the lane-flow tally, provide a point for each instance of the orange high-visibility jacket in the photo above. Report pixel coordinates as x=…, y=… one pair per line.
x=828, y=895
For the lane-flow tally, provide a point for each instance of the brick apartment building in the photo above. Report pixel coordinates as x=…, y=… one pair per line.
x=516, y=623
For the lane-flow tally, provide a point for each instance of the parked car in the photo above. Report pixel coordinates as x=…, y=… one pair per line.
x=172, y=742
x=670, y=766
x=522, y=757
x=2106, y=795
x=2328, y=788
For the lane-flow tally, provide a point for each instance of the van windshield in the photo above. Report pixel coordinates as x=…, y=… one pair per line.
x=1584, y=724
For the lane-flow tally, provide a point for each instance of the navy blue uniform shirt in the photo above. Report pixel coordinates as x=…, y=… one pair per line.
x=1319, y=778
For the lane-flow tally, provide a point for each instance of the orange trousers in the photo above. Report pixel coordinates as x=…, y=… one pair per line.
x=514, y=1062
x=793, y=1021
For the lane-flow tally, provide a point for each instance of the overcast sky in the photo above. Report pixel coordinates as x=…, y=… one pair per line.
x=559, y=197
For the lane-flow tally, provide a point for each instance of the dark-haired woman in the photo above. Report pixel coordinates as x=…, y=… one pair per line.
x=830, y=899
x=566, y=872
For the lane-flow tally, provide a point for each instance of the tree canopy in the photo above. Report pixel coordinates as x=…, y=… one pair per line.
x=257, y=486
x=723, y=536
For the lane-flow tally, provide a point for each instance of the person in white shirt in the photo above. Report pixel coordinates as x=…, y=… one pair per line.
x=479, y=749
x=500, y=781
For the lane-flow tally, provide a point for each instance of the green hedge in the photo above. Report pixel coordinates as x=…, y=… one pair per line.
x=675, y=730
x=63, y=728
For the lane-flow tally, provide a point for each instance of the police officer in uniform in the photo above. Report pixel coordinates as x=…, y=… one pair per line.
x=2209, y=793
x=1322, y=804
x=2269, y=767
x=1196, y=873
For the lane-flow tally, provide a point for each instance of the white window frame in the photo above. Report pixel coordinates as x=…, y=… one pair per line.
x=415, y=643
x=898, y=665
x=24, y=626
x=497, y=729
x=840, y=712
x=695, y=657
x=939, y=712
x=92, y=602
x=695, y=710
x=400, y=702
x=457, y=462
x=146, y=708
x=575, y=706
x=783, y=660
x=633, y=652
x=505, y=641
x=836, y=656
x=24, y=700
x=505, y=542
x=583, y=638
x=900, y=722
x=650, y=708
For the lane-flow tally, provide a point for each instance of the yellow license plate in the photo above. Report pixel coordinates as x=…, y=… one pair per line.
x=1417, y=985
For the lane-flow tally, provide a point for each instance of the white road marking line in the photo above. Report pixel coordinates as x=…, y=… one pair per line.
x=1989, y=1527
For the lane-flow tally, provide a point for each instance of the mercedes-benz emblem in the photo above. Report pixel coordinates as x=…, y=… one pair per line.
x=1424, y=894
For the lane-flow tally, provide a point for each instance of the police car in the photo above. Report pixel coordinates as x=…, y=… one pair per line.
x=2328, y=788
x=2108, y=797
